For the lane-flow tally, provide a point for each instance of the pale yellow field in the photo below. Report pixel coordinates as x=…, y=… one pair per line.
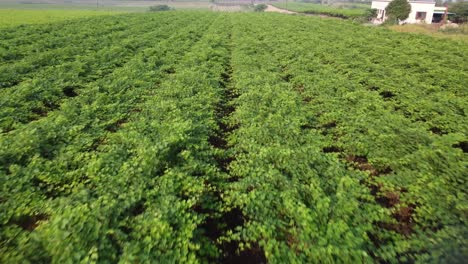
x=11, y=17
x=460, y=33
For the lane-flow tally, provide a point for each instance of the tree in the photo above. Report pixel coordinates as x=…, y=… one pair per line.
x=461, y=11
x=398, y=10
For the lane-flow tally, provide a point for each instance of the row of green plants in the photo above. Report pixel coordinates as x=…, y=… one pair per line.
x=298, y=204
x=46, y=87
x=99, y=179
x=19, y=42
x=199, y=138
x=318, y=9
x=55, y=49
x=399, y=120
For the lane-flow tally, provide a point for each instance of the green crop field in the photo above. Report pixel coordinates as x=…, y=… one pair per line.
x=342, y=11
x=203, y=137
x=15, y=17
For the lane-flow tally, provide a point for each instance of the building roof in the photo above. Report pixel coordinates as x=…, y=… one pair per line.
x=443, y=12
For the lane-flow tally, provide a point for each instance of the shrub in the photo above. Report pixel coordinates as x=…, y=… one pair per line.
x=158, y=8
x=370, y=14
x=260, y=7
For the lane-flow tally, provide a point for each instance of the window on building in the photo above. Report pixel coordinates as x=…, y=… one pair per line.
x=421, y=15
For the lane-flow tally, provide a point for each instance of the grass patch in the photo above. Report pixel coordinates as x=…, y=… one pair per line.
x=339, y=10
x=12, y=17
x=460, y=33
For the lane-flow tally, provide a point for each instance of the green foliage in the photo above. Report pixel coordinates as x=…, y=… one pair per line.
x=260, y=7
x=333, y=11
x=193, y=137
x=371, y=13
x=398, y=10
x=9, y=18
x=158, y=8
x=461, y=12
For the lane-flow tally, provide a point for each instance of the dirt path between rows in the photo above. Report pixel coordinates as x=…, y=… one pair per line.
x=271, y=8
x=275, y=9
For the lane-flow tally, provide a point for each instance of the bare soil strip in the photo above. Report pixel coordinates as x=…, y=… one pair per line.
x=275, y=9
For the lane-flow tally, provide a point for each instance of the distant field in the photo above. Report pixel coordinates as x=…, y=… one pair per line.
x=120, y=6
x=352, y=5
x=13, y=14
x=19, y=6
x=215, y=137
x=344, y=10
x=11, y=17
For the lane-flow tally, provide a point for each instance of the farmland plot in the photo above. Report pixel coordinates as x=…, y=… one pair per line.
x=190, y=137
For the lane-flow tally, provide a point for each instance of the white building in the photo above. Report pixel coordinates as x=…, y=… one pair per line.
x=421, y=11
